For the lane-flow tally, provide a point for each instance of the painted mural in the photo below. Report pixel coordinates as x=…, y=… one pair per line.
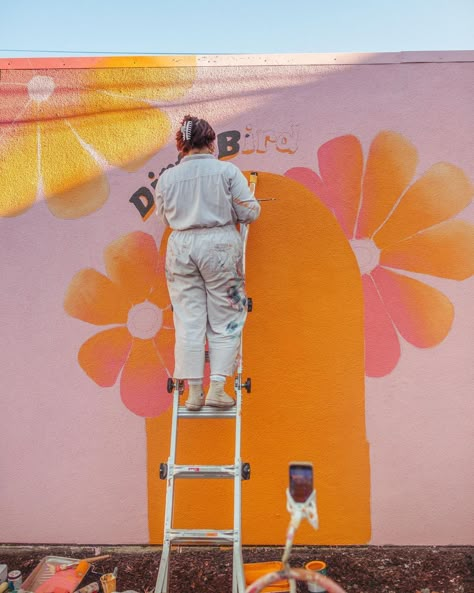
x=360, y=269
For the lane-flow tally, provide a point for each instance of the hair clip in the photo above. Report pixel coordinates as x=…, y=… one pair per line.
x=186, y=130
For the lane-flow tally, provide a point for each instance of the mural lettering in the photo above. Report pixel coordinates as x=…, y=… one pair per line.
x=143, y=201
x=259, y=140
x=229, y=145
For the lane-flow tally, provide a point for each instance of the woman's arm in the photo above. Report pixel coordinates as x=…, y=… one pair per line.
x=244, y=202
x=160, y=207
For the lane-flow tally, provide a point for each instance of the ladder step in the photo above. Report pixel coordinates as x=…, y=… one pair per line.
x=209, y=537
x=206, y=412
x=203, y=471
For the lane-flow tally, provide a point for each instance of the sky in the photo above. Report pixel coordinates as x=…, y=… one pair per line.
x=137, y=27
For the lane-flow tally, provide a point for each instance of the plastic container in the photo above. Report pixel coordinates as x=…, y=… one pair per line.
x=316, y=566
x=108, y=582
x=255, y=570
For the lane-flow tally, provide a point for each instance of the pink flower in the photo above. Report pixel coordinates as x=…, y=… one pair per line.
x=133, y=298
x=393, y=222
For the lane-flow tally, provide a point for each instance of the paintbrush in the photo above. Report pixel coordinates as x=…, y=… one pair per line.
x=73, y=564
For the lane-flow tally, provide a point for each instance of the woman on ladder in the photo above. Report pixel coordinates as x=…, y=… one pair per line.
x=202, y=199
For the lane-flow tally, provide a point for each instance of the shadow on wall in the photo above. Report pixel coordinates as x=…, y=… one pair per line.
x=60, y=130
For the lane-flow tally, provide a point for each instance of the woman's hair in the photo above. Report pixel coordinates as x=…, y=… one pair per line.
x=194, y=133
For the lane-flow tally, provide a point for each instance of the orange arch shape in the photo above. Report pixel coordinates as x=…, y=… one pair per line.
x=303, y=348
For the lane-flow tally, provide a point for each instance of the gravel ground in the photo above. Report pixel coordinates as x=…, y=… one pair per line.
x=359, y=569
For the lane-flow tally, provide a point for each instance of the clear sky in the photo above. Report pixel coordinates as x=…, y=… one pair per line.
x=132, y=27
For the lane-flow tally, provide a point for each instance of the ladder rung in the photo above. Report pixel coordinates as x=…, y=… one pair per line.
x=210, y=537
x=206, y=412
x=203, y=471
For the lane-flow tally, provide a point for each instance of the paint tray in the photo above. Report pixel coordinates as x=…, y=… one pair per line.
x=255, y=570
x=44, y=571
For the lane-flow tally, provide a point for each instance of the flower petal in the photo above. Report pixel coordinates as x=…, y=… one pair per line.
x=15, y=103
x=382, y=347
x=442, y=192
x=126, y=132
x=103, y=355
x=422, y=314
x=132, y=263
x=390, y=167
x=143, y=381
x=73, y=182
x=164, y=343
x=167, y=320
x=159, y=295
x=446, y=250
x=18, y=168
x=308, y=178
x=92, y=297
x=340, y=165
x=155, y=81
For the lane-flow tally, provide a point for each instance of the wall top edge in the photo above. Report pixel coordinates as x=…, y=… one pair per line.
x=219, y=60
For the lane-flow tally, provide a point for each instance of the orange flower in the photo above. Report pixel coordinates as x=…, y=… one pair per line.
x=62, y=128
x=392, y=222
x=134, y=298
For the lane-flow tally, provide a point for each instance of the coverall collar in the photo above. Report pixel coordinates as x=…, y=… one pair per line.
x=197, y=156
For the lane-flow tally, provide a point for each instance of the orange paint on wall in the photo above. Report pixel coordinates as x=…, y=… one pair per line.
x=303, y=348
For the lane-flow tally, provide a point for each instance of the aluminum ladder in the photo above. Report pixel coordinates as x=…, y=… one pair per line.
x=237, y=471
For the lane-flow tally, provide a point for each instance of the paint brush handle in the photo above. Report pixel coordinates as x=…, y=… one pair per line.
x=96, y=558
x=74, y=564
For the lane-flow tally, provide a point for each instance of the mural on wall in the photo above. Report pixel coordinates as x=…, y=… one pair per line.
x=134, y=298
x=391, y=222
x=66, y=128
x=352, y=259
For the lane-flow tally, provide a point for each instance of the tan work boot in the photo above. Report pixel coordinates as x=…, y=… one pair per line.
x=217, y=397
x=195, y=399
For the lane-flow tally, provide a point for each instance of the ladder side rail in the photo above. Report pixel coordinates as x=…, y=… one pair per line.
x=172, y=460
x=163, y=572
x=238, y=578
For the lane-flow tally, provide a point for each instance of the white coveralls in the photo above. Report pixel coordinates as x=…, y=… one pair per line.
x=202, y=199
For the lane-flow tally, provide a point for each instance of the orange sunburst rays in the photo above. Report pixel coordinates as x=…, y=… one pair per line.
x=134, y=299
x=394, y=222
x=61, y=129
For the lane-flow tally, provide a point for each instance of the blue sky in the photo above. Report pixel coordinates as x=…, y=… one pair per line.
x=131, y=27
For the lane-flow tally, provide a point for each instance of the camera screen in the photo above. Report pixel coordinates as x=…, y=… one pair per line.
x=301, y=482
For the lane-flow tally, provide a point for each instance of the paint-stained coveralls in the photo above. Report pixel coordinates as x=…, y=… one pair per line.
x=202, y=199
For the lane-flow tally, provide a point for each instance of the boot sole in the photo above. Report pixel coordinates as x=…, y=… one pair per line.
x=193, y=407
x=217, y=404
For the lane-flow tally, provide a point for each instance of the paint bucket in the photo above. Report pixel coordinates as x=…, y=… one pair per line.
x=15, y=580
x=108, y=582
x=255, y=570
x=317, y=566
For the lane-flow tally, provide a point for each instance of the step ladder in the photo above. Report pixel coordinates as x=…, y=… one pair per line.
x=237, y=471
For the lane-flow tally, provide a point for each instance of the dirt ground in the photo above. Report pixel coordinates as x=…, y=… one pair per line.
x=360, y=569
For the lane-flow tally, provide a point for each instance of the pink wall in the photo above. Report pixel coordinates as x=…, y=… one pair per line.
x=73, y=455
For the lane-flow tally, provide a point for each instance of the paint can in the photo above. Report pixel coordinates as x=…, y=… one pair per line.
x=319, y=567
x=108, y=582
x=15, y=580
